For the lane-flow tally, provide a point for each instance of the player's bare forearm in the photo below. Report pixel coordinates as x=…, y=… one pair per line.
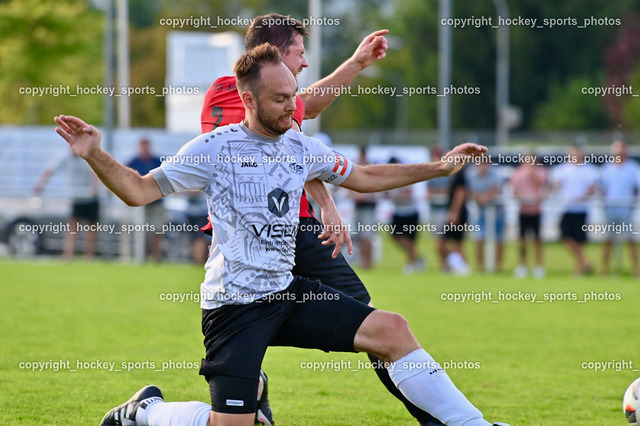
x=320, y=94
x=124, y=182
x=335, y=230
x=323, y=92
x=382, y=177
x=316, y=190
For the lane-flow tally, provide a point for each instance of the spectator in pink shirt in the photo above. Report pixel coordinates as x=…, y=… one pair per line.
x=529, y=182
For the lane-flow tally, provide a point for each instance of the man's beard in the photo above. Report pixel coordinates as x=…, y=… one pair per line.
x=272, y=125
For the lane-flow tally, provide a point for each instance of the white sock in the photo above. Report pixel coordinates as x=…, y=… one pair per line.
x=457, y=264
x=192, y=413
x=421, y=379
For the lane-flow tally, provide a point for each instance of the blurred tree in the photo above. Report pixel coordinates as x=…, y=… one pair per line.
x=622, y=66
x=143, y=13
x=630, y=104
x=547, y=62
x=47, y=44
x=148, y=69
x=568, y=108
x=42, y=50
x=406, y=46
x=544, y=61
x=148, y=41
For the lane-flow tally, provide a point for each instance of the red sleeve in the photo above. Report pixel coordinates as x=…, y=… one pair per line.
x=222, y=105
x=298, y=114
x=306, y=209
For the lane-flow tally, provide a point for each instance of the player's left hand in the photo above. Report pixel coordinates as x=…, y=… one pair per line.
x=454, y=160
x=372, y=48
x=335, y=231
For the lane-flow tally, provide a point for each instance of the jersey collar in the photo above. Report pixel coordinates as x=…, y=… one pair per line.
x=258, y=137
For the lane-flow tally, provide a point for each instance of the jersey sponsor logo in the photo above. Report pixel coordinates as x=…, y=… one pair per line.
x=279, y=230
x=235, y=403
x=296, y=168
x=278, y=202
x=248, y=164
x=341, y=165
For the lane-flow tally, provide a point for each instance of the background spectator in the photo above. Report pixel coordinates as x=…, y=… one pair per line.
x=454, y=227
x=365, y=218
x=576, y=182
x=485, y=188
x=85, y=206
x=154, y=213
x=619, y=184
x=529, y=182
x=438, y=190
x=405, y=221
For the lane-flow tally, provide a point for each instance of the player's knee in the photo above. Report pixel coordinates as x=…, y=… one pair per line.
x=223, y=419
x=394, y=332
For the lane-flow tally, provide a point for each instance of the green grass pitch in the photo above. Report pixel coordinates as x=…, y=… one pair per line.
x=519, y=362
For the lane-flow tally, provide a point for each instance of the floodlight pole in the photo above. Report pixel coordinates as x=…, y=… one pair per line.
x=124, y=101
x=109, y=73
x=502, y=75
x=444, y=73
x=502, y=126
x=314, y=71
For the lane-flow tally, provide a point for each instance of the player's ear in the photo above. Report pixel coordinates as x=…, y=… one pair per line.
x=248, y=99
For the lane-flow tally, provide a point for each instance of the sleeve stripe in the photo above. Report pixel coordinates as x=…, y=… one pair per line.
x=341, y=166
x=162, y=181
x=346, y=166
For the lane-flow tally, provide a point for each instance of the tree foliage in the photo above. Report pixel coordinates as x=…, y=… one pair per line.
x=46, y=46
x=47, y=43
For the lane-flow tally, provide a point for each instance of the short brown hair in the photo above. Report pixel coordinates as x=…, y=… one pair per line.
x=275, y=29
x=247, y=67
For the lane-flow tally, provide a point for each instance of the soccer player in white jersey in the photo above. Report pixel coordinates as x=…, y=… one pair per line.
x=253, y=177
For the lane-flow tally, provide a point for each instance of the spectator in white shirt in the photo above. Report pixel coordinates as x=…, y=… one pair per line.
x=577, y=183
x=619, y=185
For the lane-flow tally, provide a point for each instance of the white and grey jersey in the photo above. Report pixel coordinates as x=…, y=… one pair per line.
x=253, y=186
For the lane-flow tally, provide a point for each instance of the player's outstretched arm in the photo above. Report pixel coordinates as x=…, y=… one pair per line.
x=126, y=183
x=335, y=230
x=382, y=177
x=320, y=94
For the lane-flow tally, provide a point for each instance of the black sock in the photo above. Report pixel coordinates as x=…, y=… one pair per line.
x=421, y=415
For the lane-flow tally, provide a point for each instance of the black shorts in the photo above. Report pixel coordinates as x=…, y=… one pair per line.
x=405, y=226
x=530, y=222
x=455, y=231
x=86, y=210
x=306, y=315
x=572, y=226
x=314, y=261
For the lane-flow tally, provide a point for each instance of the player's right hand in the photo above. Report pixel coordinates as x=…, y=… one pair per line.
x=335, y=231
x=83, y=138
